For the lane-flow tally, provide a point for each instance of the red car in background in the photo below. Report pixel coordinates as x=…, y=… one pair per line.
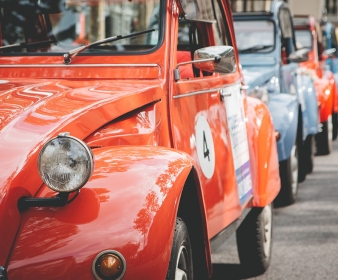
x=308, y=36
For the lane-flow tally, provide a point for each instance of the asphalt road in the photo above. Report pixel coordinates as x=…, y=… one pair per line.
x=305, y=244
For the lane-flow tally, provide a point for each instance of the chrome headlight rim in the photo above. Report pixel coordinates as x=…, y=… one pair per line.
x=261, y=93
x=87, y=151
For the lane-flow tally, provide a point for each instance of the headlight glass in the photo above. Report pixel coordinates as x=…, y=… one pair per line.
x=260, y=93
x=65, y=163
x=272, y=86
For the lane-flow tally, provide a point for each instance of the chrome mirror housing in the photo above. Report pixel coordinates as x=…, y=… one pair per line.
x=223, y=62
x=329, y=52
x=301, y=55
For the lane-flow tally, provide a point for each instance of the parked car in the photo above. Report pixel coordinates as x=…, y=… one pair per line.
x=134, y=155
x=308, y=36
x=329, y=41
x=270, y=62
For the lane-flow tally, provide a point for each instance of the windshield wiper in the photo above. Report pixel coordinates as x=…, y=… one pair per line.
x=28, y=45
x=67, y=57
x=255, y=48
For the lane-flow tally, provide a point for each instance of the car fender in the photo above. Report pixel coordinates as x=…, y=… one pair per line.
x=309, y=105
x=263, y=155
x=129, y=205
x=332, y=80
x=335, y=103
x=325, y=98
x=284, y=110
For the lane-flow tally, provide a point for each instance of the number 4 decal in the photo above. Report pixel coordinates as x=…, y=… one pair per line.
x=205, y=146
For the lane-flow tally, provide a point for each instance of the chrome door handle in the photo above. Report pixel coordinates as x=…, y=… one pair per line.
x=224, y=94
x=244, y=87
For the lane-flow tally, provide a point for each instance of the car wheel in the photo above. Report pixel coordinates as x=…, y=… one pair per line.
x=323, y=139
x=306, y=158
x=254, y=240
x=334, y=126
x=288, y=171
x=181, y=264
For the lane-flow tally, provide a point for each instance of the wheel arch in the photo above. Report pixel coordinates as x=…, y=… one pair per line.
x=129, y=205
x=191, y=209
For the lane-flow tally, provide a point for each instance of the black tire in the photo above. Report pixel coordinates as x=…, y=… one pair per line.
x=302, y=164
x=323, y=140
x=310, y=147
x=254, y=240
x=334, y=126
x=181, y=264
x=289, y=176
x=303, y=154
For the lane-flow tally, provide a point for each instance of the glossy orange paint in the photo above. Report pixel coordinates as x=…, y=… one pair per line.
x=263, y=152
x=132, y=191
x=324, y=81
x=141, y=132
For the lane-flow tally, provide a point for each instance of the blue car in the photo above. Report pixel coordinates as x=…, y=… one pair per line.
x=270, y=62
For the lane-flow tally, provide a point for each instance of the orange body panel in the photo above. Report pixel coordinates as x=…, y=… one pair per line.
x=141, y=125
x=324, y=82
x=263, y=150
x=122, y=207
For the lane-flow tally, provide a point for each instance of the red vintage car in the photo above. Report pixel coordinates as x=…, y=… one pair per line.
x=308, y=35
x=129, y=148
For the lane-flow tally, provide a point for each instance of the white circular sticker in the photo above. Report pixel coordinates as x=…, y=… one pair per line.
x=205, y=147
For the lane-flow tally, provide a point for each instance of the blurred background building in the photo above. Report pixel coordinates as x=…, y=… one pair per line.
x=298, y=7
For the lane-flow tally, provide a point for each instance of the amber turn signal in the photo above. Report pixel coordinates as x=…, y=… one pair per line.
x=109, y=265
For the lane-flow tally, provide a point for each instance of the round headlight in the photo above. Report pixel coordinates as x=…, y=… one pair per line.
x=65, y=163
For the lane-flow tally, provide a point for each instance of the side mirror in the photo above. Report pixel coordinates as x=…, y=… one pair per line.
x=301, y=55
x=223, y=62
x=328, y=53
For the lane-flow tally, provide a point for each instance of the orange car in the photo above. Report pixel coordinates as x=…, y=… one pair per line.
x=128, y=147
x=308, y=36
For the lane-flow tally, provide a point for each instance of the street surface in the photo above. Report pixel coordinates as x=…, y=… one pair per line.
x=305, y=244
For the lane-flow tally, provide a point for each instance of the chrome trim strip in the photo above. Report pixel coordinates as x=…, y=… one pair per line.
x=74, y=65
x=197, y=92
x=206, y=91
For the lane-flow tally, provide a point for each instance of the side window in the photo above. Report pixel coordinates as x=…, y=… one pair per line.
x=285, y=23
x=190, y=38
x=222, y=35
x=202, y=16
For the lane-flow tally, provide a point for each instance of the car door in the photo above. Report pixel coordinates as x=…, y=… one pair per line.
x=208, y=122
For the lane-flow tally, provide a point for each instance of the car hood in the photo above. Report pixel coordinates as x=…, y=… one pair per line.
x=256, y=76
x=34, y=111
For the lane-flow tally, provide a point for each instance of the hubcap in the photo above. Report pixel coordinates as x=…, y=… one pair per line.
x=182, y=264
x=267, y=229
x=294, y=169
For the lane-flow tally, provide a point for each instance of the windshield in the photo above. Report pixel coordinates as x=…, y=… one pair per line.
x=303, y=39
x=255, y=36
x=57, y=26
